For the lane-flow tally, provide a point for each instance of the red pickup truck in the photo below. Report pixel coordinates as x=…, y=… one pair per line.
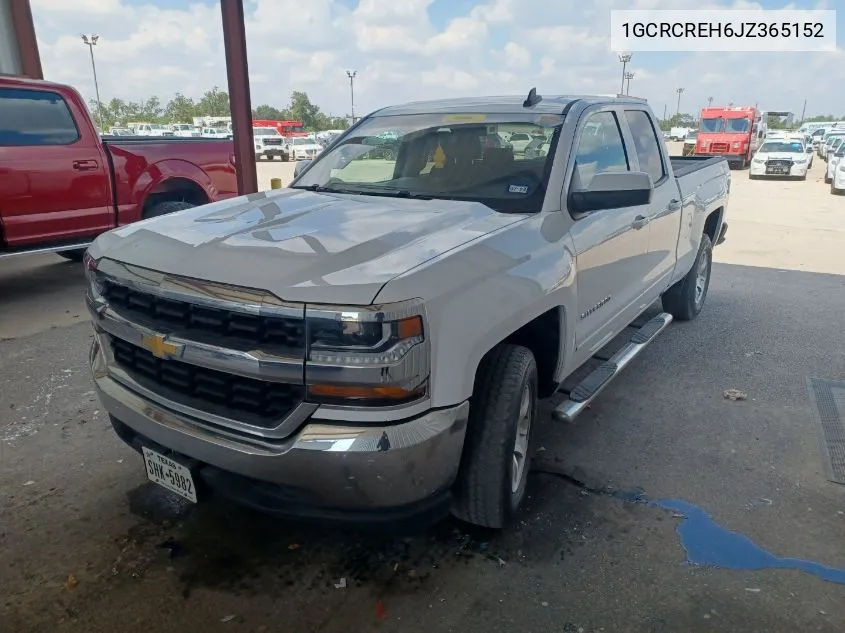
x=61, y=185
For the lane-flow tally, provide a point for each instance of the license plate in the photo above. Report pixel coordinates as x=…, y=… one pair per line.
x=777, y=170
x=169, y=474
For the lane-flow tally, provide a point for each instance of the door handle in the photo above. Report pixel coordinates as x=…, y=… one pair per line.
x=84, y=165
x=674, y=205
x=639, y=222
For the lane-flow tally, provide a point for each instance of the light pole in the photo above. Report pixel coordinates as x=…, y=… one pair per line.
x=709, y=102
x=352, y=74
x=624, y=58
x=629, y=77
x=91, y=42
x=680, y=91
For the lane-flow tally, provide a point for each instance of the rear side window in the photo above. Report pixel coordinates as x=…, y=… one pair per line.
x=645, y=144
x=35, y=117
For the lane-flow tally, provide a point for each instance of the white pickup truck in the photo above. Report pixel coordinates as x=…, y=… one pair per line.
x=269, y=144
x=372, y=342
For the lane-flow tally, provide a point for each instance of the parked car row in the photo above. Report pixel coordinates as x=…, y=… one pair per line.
x=831, y=149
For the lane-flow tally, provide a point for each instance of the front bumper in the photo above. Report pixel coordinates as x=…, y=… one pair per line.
x=797, y=170
x=272, y=151
x=733, y=159
x=322, y=470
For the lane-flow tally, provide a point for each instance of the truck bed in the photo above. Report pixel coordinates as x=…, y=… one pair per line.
x=685, y=165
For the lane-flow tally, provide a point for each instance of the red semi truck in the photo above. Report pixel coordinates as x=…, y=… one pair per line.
x=732, y=132
x=61, y=185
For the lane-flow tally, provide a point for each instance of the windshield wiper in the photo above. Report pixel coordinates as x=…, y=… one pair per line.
x=320, y=189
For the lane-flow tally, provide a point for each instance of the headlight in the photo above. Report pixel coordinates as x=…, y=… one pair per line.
x=373, y=356
x=801, y=160
x=758, y=160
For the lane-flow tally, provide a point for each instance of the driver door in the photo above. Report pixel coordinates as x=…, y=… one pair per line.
x=611, y=245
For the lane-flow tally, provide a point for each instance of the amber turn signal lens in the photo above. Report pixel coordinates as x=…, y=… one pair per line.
x=362, y=392
x=410, y=327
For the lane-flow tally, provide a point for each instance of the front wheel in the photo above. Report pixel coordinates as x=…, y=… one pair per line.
x=497, y=453
x=164, y=208
x=685, y=299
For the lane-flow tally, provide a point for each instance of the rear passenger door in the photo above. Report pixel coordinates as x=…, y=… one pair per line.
x=664, y=213
x=53, y=180
x=611, y=245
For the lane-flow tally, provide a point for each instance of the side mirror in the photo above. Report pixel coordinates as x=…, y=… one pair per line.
x=299, y=167
x=613, y=190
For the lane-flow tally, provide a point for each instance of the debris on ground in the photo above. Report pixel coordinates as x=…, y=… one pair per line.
x=753, y=589
x=71, y=582
x=381, y=612
x=340, y=584
x=28, y=483
x=228, y=618
x=293, y=546
x=734, y=395
x=497, y=560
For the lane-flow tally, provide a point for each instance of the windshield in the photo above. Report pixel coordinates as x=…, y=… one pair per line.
x=302, y=140
x=692, y=136
x=711, y=125
x=735, y=126
x=782, y=146
x=442, y=156
x=829, y=139
x=265, y=131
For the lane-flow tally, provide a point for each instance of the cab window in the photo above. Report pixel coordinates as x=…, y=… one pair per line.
x=600, y=149
x=645, y=144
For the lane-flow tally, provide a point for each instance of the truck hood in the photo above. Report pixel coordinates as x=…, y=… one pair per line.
x=302, y=246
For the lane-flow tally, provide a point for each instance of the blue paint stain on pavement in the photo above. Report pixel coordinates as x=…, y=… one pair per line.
x=708, y=543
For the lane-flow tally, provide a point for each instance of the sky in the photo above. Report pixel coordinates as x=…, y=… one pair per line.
x=405, y=50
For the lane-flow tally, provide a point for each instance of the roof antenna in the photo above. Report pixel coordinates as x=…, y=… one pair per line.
x=532, y=100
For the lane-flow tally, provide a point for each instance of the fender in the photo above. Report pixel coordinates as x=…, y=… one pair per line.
x=156, y=174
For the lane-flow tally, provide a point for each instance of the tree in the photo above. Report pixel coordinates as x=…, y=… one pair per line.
x=270, y=113
x=301, y=109
x=181, y=109
x=214, y=102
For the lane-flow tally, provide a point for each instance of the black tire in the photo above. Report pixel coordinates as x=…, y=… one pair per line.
x=752, y=177
x=833, y=190
x=682, y=300
x=484, y=493
x=827, y=180
x=169, y=206
x=75, y=255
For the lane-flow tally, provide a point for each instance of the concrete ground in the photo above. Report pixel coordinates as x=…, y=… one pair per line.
x=87, y=544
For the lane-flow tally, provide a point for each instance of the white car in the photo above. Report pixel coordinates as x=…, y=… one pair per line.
x=837, y=176
x=834, y=157
x=216, y=132
x=153, y=129
x=185, y=130
x=268, y=143
x=780, y=158
x=824, y=146
x=519, y=141
x=303, y=148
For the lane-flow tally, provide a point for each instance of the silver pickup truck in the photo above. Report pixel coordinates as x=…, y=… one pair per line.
x=372, y=341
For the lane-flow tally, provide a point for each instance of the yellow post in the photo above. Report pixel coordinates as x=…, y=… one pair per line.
x=275, y=183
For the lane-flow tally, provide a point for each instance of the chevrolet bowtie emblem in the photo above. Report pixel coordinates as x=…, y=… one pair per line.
x=159, y=347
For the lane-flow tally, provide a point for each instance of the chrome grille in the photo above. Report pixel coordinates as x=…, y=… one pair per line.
x=238, y=330
x=720, y=147
x=273, y=141
x=257, y=402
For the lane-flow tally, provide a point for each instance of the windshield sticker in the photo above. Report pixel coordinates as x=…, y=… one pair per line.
x=464, y=118
x=517, y=189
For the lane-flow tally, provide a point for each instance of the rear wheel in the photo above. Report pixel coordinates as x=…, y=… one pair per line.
x=497, y=453
x=685, y=299
x=164, y=208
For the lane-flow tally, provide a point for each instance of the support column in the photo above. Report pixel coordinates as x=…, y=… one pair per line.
x=19, y=34
x=237, y=72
